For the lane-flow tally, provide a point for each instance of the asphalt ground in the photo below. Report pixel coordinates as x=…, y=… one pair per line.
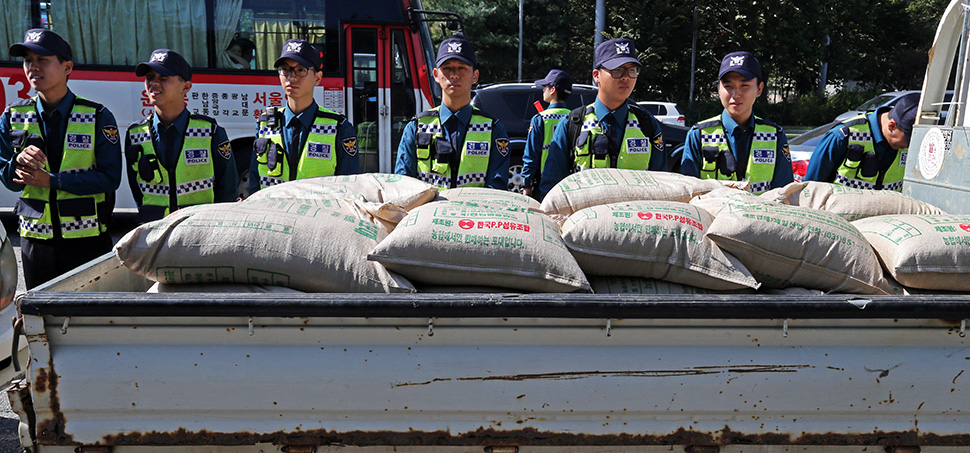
x=9, y=422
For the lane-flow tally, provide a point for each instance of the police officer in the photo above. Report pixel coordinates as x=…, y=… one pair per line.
x=611, y=132
x=303, y=140
x=455, y=145
x=737, y=145
x=63, y=152
x=868, y=151
x=173, y=149
x=556, y=88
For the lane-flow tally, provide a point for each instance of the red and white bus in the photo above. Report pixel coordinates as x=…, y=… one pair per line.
x=378, y=58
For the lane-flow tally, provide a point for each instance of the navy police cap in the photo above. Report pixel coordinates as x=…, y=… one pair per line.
x=743, y=63
x=904, y=114
x=43, y=42
x=615, y=53
x=167, y=63
x=455, y=48
x=559, y=79
x=302, y=52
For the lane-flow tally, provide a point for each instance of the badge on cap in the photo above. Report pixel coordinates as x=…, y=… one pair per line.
x=622, y=48
x=294, y=47
x=454, y=47
x=111, y=133
x=159, y=56
x=32, y=36
x=350, y=146
x=503, y=146
x=225, y=150
x=737, y=61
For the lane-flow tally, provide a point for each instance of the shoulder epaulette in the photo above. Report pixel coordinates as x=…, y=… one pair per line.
x=140, y=122
x=767, y=123
x=88, y=103
x=323, y=113
x=427, y=113
x=208, y=119
x=707, y=124
x=28, y=101
x=856, y=122
x=476, y=111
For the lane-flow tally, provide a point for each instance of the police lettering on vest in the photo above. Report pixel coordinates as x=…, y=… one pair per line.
x=860, y=169
x=436, y=158
x=77, y=215
x=718, y=159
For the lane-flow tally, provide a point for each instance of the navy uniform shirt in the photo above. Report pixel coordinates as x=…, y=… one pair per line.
x=739, y=142
x=558, y=163
x=105, y=177
x=830, y=152
x=348, y=160
x=226, y=184
x=532, y=157
x=497, y=174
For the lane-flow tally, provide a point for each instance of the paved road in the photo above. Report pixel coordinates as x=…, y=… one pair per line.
x=9, y=422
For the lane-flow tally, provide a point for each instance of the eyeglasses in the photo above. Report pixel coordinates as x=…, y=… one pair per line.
x=289, y=71
x=618, y=73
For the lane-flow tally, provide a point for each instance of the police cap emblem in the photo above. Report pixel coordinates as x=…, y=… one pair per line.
x=32, y=36
x=350, y=146
x=225, y=150
x=159, y=57
x=737, y=61
x=622, y=48
x=503, y=146
x=111, y=133
x=294, y=47
x=454, y=47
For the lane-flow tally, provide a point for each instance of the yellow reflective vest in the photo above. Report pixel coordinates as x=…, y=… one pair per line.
x=318, y=157
x=860, y=149
x=475, y=151
x=760, y=168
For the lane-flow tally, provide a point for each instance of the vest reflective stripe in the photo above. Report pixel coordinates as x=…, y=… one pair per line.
x=474, y=152
x=78, y=155
x=550, y=119
x=760, y=168
x=194, y=170
x=849, y=172
x=635, y=148
x=318, y=158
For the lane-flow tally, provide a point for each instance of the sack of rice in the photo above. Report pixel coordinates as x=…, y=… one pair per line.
x=612, y=185
x=665, y=240
x=305, y=248
x=485, y=195
x=219, y=288
x=401, y=190
x=454, y=243
x=637, y=285
x=715, y=200
x=851, y=204
x=922, y=251
x=785, y=246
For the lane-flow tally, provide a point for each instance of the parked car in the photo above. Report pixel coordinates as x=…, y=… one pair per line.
x=514, y=105
x=888, y=99
x=666, y=112
x=802, y=147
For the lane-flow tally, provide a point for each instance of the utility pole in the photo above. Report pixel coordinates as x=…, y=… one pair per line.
x=693, y=63
x=520, y=39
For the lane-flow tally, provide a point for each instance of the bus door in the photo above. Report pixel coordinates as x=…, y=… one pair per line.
x=382, y=94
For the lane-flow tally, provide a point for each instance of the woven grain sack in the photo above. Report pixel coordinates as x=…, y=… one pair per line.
x=785, y=246
x=851, y=204
x=493, y=197
x=453, y=243
x=644, y=286
x=308, y=249
x=665, y=240
x=401, y=190
x=715, y=200
x=612, y=185
x=922, y=251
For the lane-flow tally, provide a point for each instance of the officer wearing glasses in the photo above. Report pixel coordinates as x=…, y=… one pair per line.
x=612, y=132
x=303, y=140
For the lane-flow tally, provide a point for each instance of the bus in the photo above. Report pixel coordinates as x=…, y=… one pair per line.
x=378, y=58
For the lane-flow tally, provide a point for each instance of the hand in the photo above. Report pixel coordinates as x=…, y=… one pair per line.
x=32, y=156
x=32, y=176
x=527, y=191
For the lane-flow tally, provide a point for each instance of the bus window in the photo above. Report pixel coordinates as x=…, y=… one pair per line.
x=365, y=96
x=403, y=106
x=14, y=21
x=274, y=22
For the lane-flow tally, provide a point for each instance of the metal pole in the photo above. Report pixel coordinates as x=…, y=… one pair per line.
x=693, y=63
x=520, y=39
x=600, y=22
x=824, y=73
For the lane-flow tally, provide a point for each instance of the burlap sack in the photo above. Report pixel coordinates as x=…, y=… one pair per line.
x=644, y=286
x=452, y=243
x=485, y=195
x=611, y=185
x=300, y=247
x=665, y=240
x=851, y=204
x=922, y=251
x=220, y=288
x=400, y=190
x=786, y=246
x=715, y=200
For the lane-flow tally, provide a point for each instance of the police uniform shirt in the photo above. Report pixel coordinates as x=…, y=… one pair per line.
x=105, y=177
x=226, y=184
x=532, y=158
x=739, y=142
x=497, y=174
x=830, y=152
x=347, y=164
x=558, y=161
